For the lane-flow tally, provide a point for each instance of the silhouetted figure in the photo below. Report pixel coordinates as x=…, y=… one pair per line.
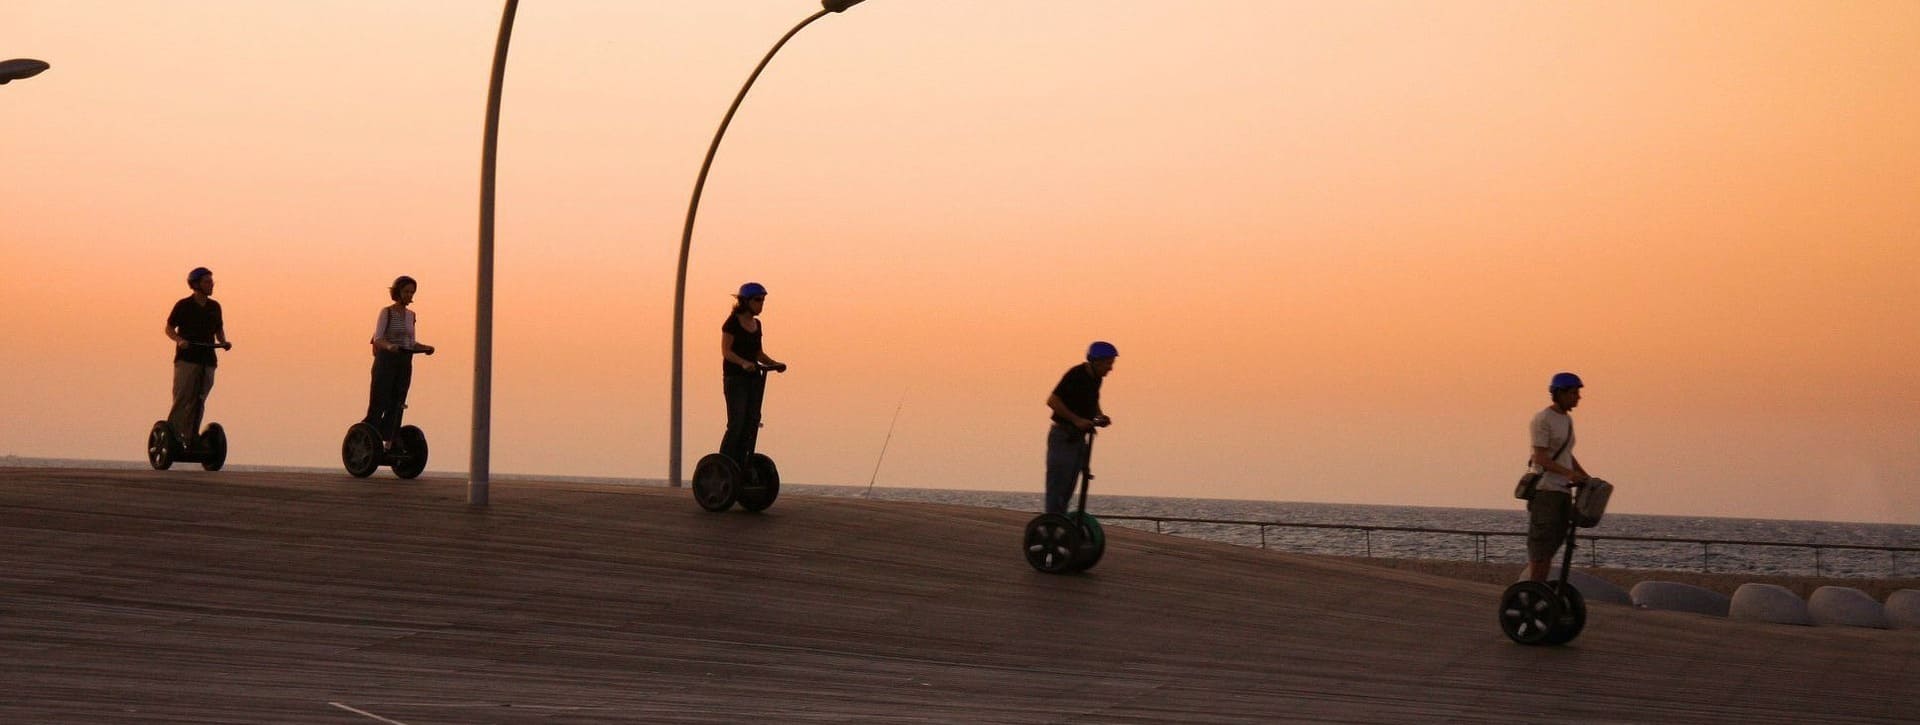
x=195, y=326
x=743, y=378
x=1076, y=409
x=393, y=336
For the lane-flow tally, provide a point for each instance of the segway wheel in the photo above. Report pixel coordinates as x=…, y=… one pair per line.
x=1093, y=541
x=409, y=452
x=716, y=482
x=360, y=450
x=1052, y=543
x=762, y=485
x=160, y=446
x=213, y=442
x=1573, y=614
x=1530, y=612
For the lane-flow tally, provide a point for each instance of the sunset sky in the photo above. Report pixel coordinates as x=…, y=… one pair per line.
x=1340, y=245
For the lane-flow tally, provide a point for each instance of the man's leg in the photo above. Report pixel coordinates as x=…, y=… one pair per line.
x=1547, y=521
x=183, y=417
x=200, y=400
x=1063, y=467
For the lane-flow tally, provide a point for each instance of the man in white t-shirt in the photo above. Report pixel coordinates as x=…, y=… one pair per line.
x=1550, y=511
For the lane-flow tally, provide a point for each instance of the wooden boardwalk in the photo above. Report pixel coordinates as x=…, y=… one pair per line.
x=186, y=596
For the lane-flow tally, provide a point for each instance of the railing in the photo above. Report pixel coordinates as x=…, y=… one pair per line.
x=1591, y=541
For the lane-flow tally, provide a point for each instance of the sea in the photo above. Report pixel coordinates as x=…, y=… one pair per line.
x=1697, y=543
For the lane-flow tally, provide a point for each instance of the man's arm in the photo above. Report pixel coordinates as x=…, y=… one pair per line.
x=1544, y=459
x=1060, y=408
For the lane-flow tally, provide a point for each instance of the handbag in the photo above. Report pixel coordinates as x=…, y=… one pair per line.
x=1531, y=479
x=1591, y=503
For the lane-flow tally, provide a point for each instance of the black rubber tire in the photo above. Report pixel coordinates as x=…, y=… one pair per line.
x=1573, y=614
x=1051, y=543
x=762, y=485
x=360, y=450
x=213, y=447
x=409, y=452
x=716, y=482
x=1093, y=541
x=1530, y=612
x=160, y=446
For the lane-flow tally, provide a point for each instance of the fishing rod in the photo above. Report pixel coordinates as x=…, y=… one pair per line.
x=883, y=445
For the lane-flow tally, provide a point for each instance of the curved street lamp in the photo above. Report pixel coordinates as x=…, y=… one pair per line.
x=686, y=234
x=479, y=464
x=18, y=68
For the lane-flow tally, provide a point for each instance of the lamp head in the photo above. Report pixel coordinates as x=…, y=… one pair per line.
x=18, y=68
x=839, y=6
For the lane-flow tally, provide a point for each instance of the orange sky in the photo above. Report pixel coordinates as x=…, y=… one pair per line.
x=1340, y=245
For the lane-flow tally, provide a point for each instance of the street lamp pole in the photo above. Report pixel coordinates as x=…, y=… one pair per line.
x=479, y=464
x=686, y=235
x=18, y=68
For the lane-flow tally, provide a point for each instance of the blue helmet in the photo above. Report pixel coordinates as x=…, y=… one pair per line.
x=752, y=289
x=197, y=274
x=1565, y=381
x=1102, y=351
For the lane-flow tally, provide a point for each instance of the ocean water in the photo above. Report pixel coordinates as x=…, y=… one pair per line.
x=1687, y=556
x=1510, y=548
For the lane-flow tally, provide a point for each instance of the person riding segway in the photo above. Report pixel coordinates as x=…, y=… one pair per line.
x=1561, y=499
x=197, y=328
x=738, y=473
x=379, y=439
x=1057, y=541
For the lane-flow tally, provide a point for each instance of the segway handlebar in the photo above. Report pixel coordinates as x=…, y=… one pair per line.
x=215, y=345
x=774, y=367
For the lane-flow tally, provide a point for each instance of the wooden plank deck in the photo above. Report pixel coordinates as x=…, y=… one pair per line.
x=187, y=596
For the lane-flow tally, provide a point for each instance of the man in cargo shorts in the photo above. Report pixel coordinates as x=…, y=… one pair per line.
x=1550, y=511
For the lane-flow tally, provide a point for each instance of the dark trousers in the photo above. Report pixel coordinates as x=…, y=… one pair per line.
x=744, y=394
x=392, y=375
x=1066, y=454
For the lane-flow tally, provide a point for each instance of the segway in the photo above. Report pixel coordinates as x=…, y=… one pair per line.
x=1062, y=543
x=363, y=451
x=719, y=483
x=164, y=446
x=1553, y=612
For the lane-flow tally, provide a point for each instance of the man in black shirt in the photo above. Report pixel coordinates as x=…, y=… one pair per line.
x=195, y=318
x=1076, y=409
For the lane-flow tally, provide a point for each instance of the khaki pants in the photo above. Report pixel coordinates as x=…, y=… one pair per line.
x=191, y=384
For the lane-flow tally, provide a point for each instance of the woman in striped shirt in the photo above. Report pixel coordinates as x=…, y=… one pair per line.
x=392, y=361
